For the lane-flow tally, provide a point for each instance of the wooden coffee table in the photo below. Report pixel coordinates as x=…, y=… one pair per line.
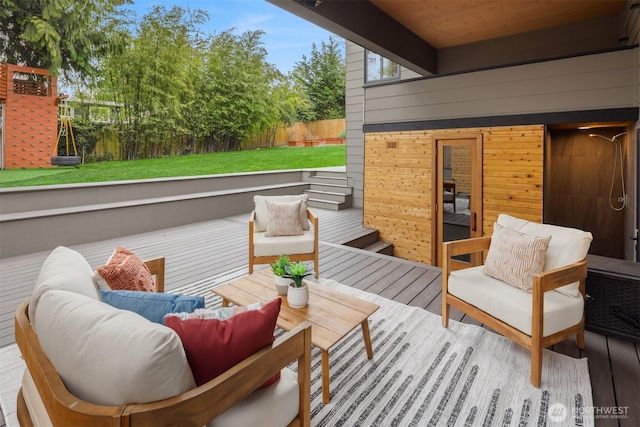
x=332, y=314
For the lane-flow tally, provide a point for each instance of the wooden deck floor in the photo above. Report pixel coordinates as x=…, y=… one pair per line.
x=198, y=251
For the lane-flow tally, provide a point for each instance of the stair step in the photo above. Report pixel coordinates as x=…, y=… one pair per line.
x=322, y=179
x=331, y=188
x=327, y=204
x=381, y=247
x=362, y=239
x=329, y=173
x=329, y=195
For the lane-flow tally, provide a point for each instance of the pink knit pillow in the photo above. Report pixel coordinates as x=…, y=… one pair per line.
x=125, y=271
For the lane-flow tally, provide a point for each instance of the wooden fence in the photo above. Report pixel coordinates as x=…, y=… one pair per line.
x=300, y=133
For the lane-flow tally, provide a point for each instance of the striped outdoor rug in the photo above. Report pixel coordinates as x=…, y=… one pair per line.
x=424, y=375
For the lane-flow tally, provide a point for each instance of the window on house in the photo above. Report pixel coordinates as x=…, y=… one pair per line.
x=378, y=68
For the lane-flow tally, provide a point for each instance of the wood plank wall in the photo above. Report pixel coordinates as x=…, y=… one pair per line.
x=399, y=185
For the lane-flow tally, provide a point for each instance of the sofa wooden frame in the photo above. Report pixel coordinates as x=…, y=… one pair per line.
x=194, y=408
x=542, y=283
x=313, y=256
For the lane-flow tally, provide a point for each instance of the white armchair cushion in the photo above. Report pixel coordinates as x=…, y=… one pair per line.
x=515, y=257
x=290, y=245
x=511, y=305
x=567, y=245
x=262, y=214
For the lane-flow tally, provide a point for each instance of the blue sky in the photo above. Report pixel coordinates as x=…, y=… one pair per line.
x=286, y=37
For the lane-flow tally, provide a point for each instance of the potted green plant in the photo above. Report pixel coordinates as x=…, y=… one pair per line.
x=298, y=293
x=279, y=273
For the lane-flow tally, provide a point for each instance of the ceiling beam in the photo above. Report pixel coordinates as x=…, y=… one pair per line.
x=364, y=24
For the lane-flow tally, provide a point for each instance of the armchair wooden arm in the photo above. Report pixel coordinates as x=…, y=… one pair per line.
x=156, y=267
x=193, y=408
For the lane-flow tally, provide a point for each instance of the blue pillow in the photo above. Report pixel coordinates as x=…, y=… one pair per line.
x=151, y=305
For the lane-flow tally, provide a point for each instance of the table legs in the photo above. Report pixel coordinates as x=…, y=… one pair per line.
x=326, y=394
x=367, y=338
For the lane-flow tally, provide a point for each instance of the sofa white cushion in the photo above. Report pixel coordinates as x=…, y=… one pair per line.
x=32, y=399
x=567, y=245
x=63, y=269
x=109, y=356
x=290, y=245
x=262, y=214
x=275, y=405
x=511, y=305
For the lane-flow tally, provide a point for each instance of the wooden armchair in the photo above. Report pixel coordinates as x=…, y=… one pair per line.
x=156, y=267
x=264, y=250
x=552, y=312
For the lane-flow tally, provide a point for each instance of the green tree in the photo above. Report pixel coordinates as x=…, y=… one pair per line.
x=235, y=91
x=62, y=36
x=151, y=78
x=322, y=80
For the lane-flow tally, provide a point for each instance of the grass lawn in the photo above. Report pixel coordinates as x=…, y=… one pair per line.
x=198, y=164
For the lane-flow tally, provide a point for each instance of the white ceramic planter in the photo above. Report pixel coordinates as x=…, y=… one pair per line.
x=298, y=297
x=282, y=284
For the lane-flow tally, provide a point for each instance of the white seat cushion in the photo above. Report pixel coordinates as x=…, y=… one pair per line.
x=511, y=305
x=567, y=245
x=275, y=405
x=109, y=356
x=277, y=245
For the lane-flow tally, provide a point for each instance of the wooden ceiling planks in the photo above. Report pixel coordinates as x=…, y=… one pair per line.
x=446, y=23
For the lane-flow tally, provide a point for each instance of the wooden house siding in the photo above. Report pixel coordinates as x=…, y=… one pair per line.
x=591, y=82
x=399, y=183
x=354, y=111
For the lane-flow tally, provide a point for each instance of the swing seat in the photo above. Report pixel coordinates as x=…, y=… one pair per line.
x=66, y=160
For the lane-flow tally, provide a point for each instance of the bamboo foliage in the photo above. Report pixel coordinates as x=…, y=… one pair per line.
x=184, y=93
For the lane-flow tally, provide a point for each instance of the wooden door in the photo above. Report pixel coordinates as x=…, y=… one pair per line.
x=457, y=204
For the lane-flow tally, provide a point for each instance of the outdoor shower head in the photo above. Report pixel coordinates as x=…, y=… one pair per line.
x=593, y=135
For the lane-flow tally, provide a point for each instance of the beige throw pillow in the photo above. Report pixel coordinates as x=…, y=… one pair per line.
x=261, y=209
x=283, y=219
x=515, y=257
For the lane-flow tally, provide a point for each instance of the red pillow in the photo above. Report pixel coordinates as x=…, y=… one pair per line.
x=214, y=346
x=125, y=271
